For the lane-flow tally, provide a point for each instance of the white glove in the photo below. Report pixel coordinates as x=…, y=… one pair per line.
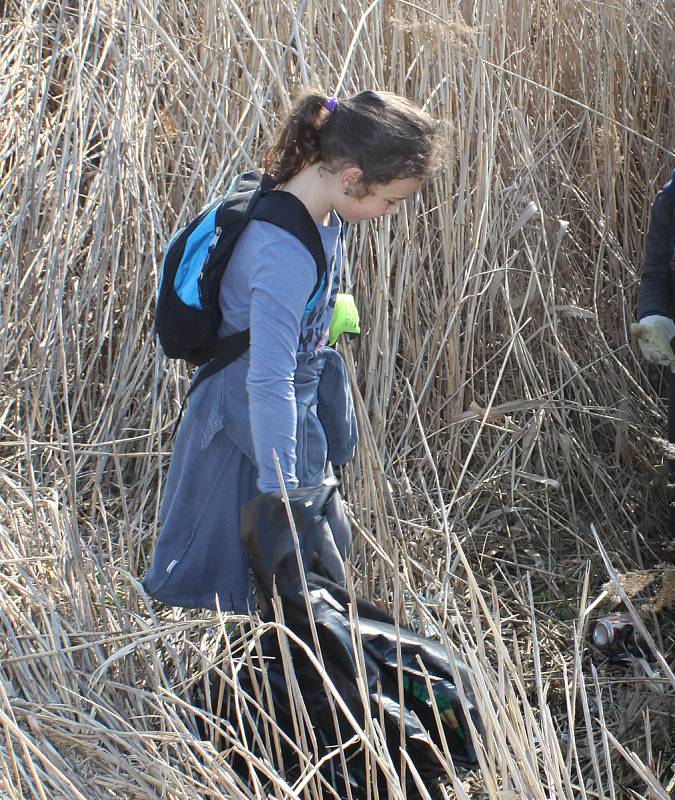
x=654, y=336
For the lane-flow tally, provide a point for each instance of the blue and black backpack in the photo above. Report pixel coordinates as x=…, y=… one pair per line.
x=188, y=314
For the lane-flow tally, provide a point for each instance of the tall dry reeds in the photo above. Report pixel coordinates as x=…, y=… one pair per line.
x=507, y=420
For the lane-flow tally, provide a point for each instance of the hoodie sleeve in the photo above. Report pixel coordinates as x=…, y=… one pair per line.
x=655, y=295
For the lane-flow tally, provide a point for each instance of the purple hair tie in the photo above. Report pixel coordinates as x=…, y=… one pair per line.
x=331, y=104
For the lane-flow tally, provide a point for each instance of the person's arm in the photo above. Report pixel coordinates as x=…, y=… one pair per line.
x=281, y=282
x=655, y=294
x=656, y=330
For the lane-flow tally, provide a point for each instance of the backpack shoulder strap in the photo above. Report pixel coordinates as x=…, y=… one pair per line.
x=286, y=211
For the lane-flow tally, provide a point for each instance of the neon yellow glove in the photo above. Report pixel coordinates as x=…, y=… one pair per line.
x=345, y=318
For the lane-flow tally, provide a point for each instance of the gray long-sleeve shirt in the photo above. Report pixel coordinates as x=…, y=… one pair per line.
x=266, y=288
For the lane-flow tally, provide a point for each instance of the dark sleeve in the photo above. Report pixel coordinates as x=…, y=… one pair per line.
x=655, y=294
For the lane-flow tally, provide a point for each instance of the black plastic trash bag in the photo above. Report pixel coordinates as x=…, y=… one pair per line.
x=421, y=669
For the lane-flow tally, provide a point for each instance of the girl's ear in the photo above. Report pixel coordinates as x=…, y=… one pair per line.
x=349, y=178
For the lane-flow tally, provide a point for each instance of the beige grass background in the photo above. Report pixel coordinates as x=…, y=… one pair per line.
x=507, y=421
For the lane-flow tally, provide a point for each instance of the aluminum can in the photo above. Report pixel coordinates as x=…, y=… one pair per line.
x=614, y=631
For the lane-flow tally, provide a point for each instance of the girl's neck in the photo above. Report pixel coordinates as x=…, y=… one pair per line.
x=312, y=186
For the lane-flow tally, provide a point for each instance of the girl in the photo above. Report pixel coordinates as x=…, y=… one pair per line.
x=353, y=159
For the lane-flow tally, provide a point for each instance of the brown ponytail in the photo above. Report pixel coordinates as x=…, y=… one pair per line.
x=298, y=144
x=385, y=135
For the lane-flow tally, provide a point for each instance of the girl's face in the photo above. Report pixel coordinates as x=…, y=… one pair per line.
x=383, y=198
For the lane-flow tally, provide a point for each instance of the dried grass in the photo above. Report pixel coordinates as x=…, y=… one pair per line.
x=505, y=414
